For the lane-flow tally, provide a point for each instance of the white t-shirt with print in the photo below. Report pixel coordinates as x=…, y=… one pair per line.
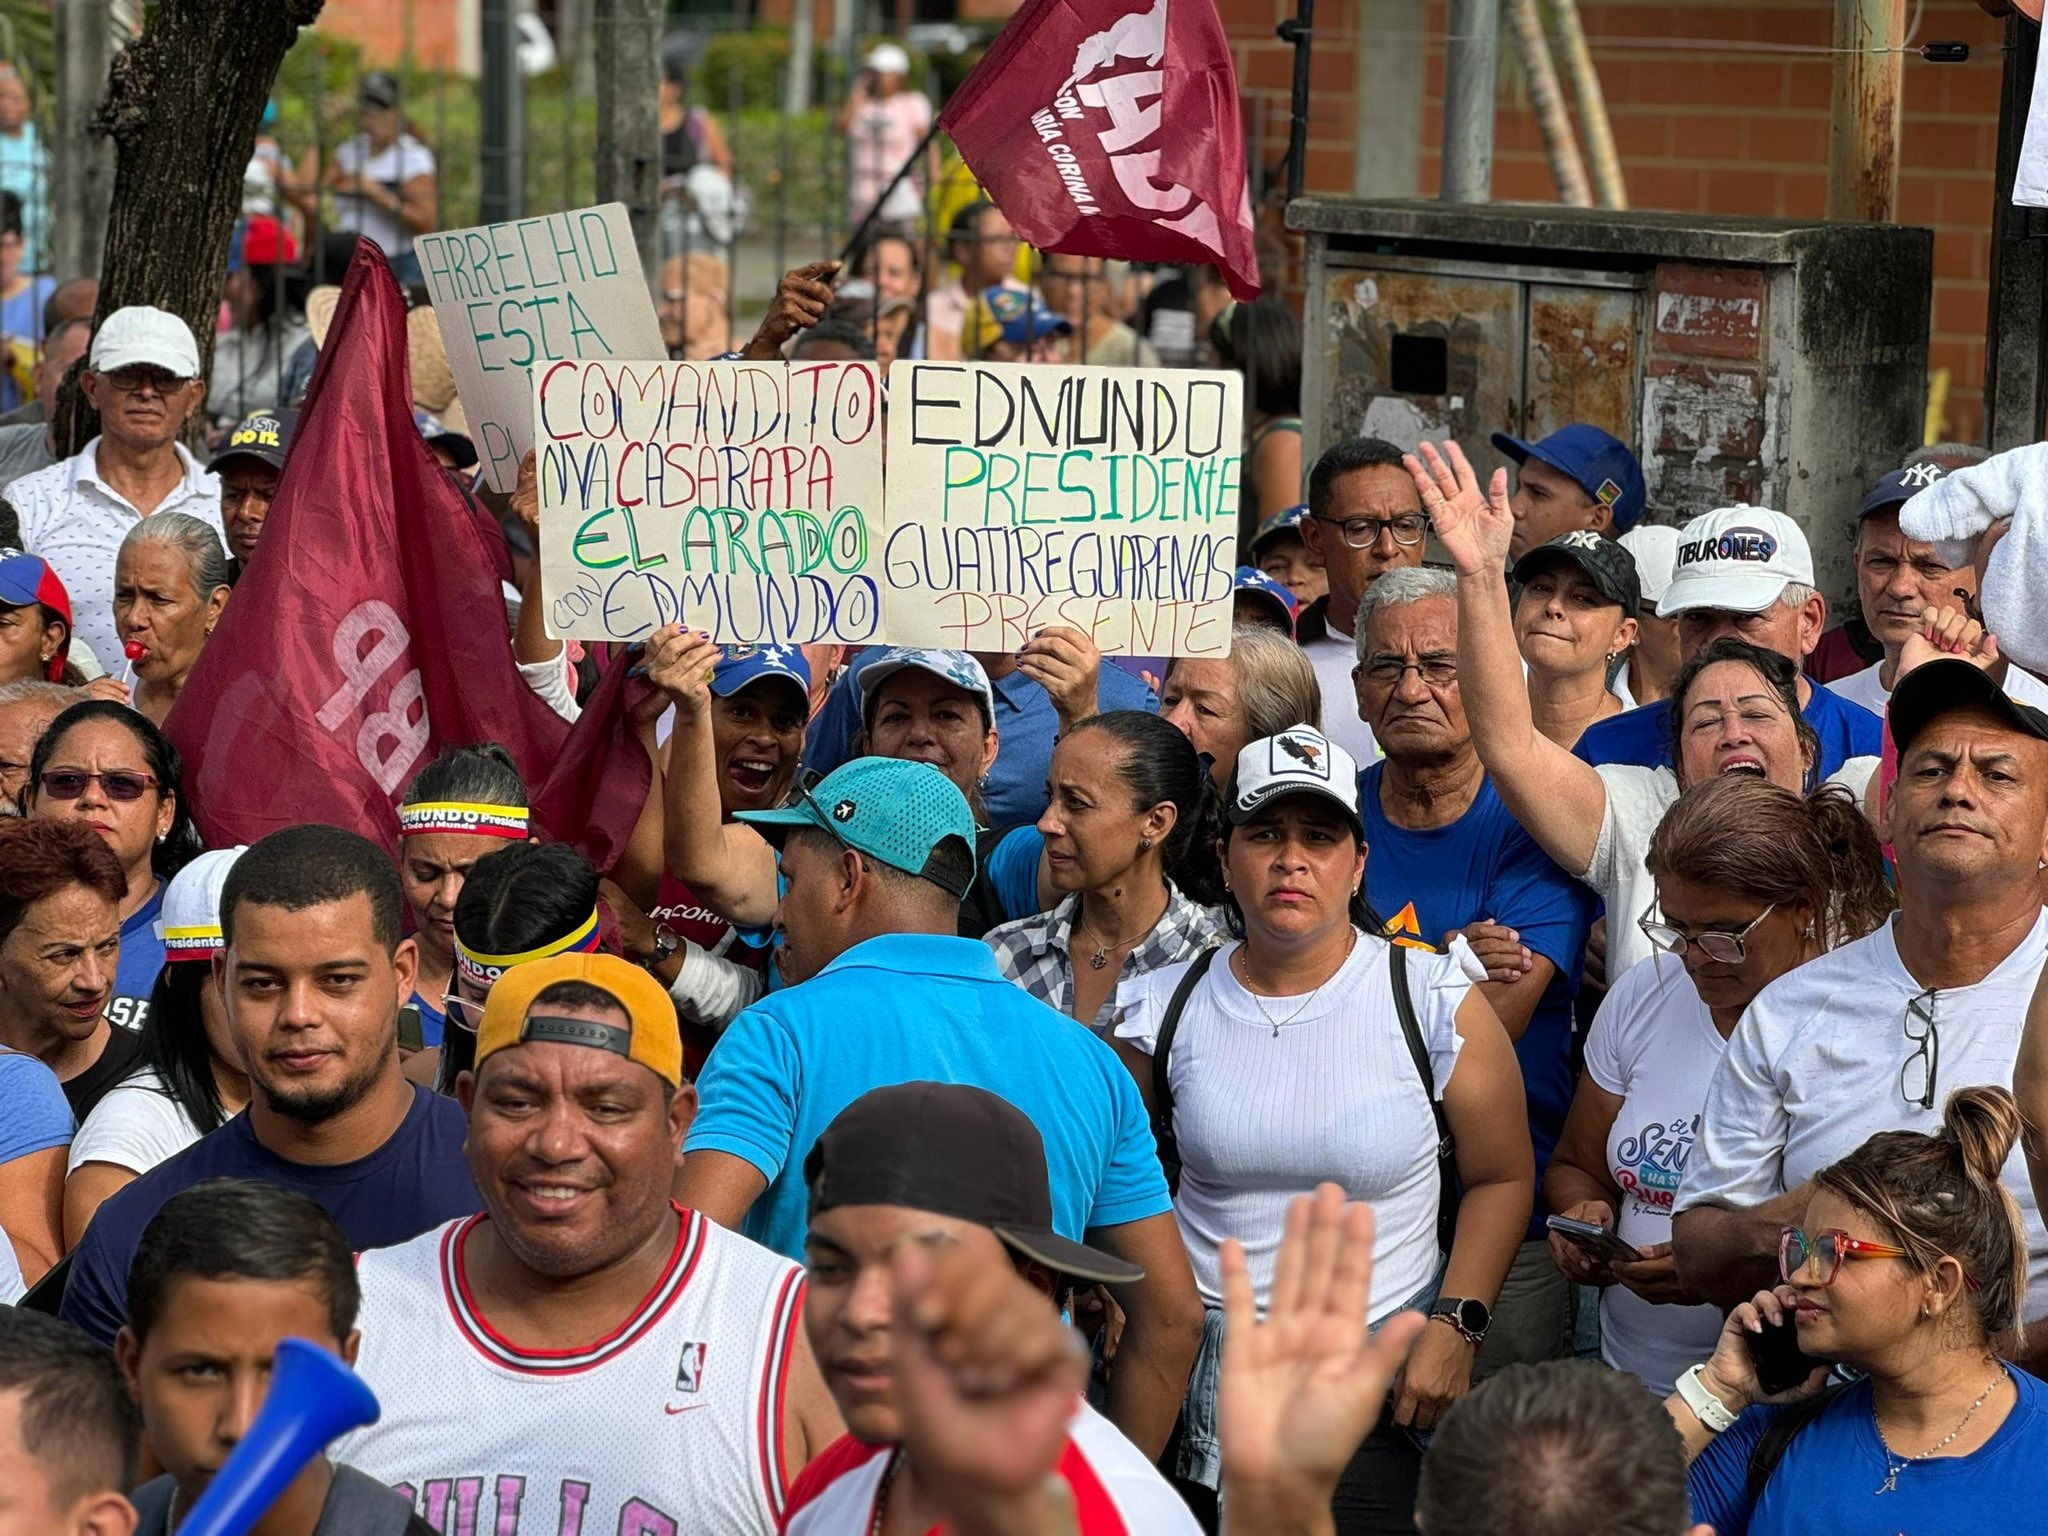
x=1262, y=1114
x=1654, y=1046
x=1813, y=1071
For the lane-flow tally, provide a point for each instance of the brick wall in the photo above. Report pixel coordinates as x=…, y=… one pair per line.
x=378, y=27
x=1703, y=122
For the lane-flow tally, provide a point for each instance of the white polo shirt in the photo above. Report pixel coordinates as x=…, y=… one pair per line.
x=76, y=521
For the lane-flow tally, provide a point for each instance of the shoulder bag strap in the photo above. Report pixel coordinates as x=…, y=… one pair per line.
x=1162, y=1082
x=1446, y=1150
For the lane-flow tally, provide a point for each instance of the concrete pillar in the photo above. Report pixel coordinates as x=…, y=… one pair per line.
x=1471, y=52
x=1863, y=133
x=1386, y=153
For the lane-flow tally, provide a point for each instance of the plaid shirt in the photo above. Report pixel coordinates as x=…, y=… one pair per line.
x=1034, y=951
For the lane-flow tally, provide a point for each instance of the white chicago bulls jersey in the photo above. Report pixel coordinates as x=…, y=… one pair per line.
x=669, y=1426
x=1117, y=1492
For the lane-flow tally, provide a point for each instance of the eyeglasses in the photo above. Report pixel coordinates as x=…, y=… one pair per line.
x=1435, y=671
x=133, y=381
x=461, y=1010
x=1924, y=1065
x=1408, y=529
x=1719, y=946
x=1818, y=1258
x=70, y=783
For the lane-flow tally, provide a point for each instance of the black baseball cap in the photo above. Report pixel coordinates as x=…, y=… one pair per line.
x=262, y=435
x=1609, y=566
x=1934, y=688
x=378, y=89
x=956, y=1151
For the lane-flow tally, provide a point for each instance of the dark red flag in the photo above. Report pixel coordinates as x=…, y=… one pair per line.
x=370, y=629
x=1103, y=128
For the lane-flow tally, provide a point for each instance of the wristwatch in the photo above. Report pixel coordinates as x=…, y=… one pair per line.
x=1470, y=1318
x=1705, y=1406
x=666, y=943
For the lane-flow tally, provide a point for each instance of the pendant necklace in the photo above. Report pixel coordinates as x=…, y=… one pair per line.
x=1895, y=1464
x=1245, y=975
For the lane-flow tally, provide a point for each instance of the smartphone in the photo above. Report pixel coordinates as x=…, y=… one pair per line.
x=1597, y=1241
x=1780, y=1363
x=411, y=1034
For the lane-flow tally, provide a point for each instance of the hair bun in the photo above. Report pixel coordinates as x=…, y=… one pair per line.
x=1984, y=1125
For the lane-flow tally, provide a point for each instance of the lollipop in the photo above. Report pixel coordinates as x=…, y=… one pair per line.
x=134, y=650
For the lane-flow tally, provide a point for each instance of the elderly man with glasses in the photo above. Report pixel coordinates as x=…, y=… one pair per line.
x=1364, y=519
x=142, y=376
x=1876, y=1035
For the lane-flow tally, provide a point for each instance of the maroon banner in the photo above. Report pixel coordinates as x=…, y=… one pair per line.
x=369, y=630
x=1102, y=128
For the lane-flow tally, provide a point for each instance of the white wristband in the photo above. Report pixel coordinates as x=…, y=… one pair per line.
x=1706, y=1407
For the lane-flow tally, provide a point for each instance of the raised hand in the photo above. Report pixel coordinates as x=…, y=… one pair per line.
x=800, y=302
x=987, y=1379
x=1067, y=665
x=1952, y=632
x=680, y=662
x=1474, y=526
x=1301, y=1388
x=525, y=498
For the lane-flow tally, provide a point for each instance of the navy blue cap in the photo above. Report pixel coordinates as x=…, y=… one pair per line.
x=1600, y=463
x=1252, y=581
x=1899, y=487
x=744, y=664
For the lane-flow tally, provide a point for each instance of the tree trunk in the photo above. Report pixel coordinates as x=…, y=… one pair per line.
x=182, y=107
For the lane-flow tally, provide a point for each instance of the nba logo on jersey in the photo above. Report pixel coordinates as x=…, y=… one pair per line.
x=690, y=1368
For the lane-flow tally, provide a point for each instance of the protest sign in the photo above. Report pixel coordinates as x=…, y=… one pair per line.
x=518, y=296
x=1023, y=496
x=740, y=498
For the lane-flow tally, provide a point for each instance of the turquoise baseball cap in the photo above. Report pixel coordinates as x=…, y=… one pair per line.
x=894, y=811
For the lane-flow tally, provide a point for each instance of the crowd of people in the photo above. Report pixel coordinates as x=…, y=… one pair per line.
x=1547, y=1034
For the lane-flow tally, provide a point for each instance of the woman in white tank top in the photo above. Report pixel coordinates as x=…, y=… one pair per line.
x=1289, y=1065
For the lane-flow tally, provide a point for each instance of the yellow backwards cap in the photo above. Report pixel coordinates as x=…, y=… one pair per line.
x=654, y=1039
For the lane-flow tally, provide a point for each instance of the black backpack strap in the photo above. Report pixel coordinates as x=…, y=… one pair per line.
x=1446, y=1150
x=1777, y=1438
x=1162, y=1084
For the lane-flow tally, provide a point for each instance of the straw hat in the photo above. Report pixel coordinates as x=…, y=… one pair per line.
x=433, y=381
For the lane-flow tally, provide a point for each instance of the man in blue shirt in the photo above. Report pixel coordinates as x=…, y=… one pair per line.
x=875, y=859
x=1025, y=721
x=1442, y=854
x=1746, y=572
x=1578, y=477
x=314, y=971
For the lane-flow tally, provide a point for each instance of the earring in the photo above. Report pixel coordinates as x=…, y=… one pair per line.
x=1144, y=845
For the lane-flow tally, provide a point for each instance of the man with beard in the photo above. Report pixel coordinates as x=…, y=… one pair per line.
x=314, y=970
x=587, y=1354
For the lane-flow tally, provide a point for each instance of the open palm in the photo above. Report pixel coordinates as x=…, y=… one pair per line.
x=1475, y=526
x=1301, y=1388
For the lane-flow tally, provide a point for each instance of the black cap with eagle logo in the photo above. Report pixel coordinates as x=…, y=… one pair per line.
x=1300, y=760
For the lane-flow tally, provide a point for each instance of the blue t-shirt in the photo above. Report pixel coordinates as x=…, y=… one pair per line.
x=1025, y=722
x=1483, y=865
x=1012, y=872
x=909, y=1008
x=38, y=1115
x=21, y=317
x=1830, y=1474
x=417, y=1180
x=1642, y=735
x=433, y=1021
x=142, y=956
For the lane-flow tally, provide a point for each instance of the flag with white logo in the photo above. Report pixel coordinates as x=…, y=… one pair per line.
x=1104, y=128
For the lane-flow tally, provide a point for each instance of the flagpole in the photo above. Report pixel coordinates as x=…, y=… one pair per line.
x=1297, y=31
x=874, y=213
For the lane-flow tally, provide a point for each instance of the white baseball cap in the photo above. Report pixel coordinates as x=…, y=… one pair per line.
x=1654, y=547
x=1739, y=559
x=888, y=59
x=189, y=921
x=1299, y=761
x=140, y=336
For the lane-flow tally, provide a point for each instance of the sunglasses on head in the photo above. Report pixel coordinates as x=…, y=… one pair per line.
x=119, y=784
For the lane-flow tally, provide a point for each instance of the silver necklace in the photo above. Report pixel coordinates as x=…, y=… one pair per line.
x=1244, y=968
x=1100, y=958
x=1894, y=1464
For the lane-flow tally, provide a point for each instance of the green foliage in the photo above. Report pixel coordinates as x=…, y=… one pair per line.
x=27, y=38
x=746, y=65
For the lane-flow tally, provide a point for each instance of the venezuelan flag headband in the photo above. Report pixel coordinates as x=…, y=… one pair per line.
x=484, y=970
x=506, y=821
